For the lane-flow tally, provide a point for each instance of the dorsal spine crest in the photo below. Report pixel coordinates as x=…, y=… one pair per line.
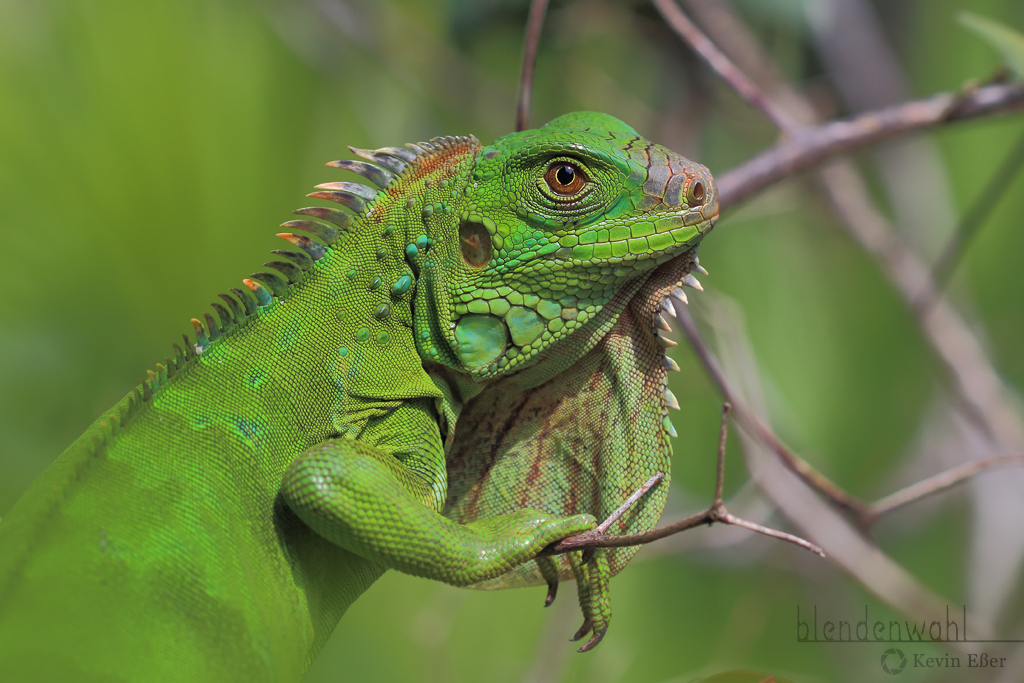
x=392, y=170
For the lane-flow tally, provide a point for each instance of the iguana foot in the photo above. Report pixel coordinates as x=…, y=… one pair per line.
x=592, y=582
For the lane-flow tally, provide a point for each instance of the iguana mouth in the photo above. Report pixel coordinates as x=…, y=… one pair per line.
x=671, y=237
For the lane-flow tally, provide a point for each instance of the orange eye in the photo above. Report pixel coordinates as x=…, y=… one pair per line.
x=695, y=193
x=564, y=178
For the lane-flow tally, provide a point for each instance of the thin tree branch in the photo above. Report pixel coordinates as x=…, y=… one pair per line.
x=865, y=514
x=812, y=145
x=604, y=526
x=723, y=433
x=848, y=548
x=534, y=26
x=940, y=482
x=983, y=397
x=975, y=217
x=753, y=424
x=722, y=65
x=716, y=513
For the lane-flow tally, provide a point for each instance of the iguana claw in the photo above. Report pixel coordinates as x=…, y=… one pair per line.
x=583, y=630
x=549, y=570
x=594, y=640
x=552, y=592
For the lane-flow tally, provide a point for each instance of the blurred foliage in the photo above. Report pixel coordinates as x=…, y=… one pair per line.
x=1008, y=42
x=147, y=150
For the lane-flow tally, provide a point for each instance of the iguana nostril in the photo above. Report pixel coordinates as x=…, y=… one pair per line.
x=695, y=193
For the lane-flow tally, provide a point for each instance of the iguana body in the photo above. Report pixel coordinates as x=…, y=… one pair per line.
x=475, y=338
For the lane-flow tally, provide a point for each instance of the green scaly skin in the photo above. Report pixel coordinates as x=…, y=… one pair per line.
x=464, y=371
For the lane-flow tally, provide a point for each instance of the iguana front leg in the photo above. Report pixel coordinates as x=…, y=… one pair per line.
x=379, y=498
x=592, y=583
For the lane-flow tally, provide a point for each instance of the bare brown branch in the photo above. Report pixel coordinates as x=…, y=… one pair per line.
x=813, y=145
x=604, y=526
x=534, y=26
x=940, y=482
x=722, y=65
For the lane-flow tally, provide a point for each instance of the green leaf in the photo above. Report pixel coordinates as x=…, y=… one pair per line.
x=1009, y=42
x=741, y=677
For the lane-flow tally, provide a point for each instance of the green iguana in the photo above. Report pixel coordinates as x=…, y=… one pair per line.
x=462, y=369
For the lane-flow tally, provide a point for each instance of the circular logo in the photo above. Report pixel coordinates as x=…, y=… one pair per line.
x=893, y=661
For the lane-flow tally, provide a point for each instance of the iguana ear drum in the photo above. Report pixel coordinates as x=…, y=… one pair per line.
x=475, y=243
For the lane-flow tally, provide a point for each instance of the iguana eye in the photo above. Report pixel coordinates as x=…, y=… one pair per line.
x=564, y=178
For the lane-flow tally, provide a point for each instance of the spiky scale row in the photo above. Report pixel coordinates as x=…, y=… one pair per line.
x=390, y=163
x=344, y=198
x=212, y=327
x=274, y=283
x=378, y=156
x=292, y=272
x=226, y=319
x=314, y=250
x=237, y=311
x=397, y=159
x=342, y=219
x=301, y=260
x=246, y=299
x=263, y=297
x=375, y=174
x=264, y=286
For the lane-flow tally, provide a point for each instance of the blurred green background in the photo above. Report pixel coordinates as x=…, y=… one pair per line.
x=149, y=149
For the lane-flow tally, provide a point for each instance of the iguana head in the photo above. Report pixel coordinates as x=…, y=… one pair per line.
x=551, y=224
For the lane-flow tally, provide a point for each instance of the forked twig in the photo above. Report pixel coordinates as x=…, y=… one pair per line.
x=716, y=513
x=812, y=477
x=534, y=26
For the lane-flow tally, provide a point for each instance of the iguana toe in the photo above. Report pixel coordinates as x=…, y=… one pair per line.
x=552, y=592
x=583, y=630
x=594, y=640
